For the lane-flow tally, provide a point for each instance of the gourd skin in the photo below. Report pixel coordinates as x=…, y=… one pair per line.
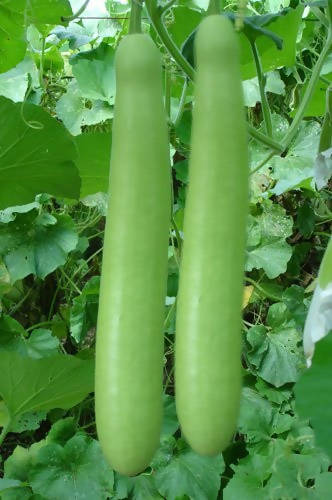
x=129, y=350
x=208, y=339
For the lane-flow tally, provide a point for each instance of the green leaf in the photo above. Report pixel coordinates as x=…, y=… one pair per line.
x=274, y=352
x=42, y=384
x=190, y=474
x=15, y=17
x=48, y=11
x=76, y=34
x=306, y=219
x=141, y=487
x=42, y=344
x=183, y=129
x=72, y=470
x=5, y=484
x=292, y=173
x=269, y=250
x=39, y=157
x=323, y=485
x=316, y=105
x=28, y=421
x=12, y=335
x=251, y=91
x=248, y=481
x=75, y=112
x=256, y=415
x=83, y=314
x=313, y=393
x=63, y=430
x=281, y=32
x=93, y=162
x=95, y=73
x=274, y=395
x=170, y=421
x=296, y=170
x=185, y=20
x=14, y=83
x=12, y=43
x=36, y=244
x=280, y=470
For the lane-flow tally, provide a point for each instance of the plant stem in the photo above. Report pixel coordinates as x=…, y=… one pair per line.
x=155, y=13
x=135, y=17
x=309, y=91
x=264, y=139
x=78, y=13
x=261, y=289
x=4, y=432
x=320, y=16
x=37, y=325
x=261, y=82
x=213, y=8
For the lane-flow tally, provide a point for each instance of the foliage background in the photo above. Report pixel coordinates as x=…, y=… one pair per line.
x=57, y=89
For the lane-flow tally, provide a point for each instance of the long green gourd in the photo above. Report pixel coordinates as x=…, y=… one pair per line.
x=129, y=351
x=208, y=338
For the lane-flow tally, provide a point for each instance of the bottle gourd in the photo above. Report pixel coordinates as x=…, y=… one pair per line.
x=129, y=350
x=208, y=328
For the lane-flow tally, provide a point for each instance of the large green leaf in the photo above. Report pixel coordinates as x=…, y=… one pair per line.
x=16, y=15
x=42, y=384
x=185, y=20
x=64, y=465
x=277, y=472
x=313, y=393
x=36, y=243
x=47, y=11
x=93, y=162
x=83, y=314
x=72, y=470
x=14, y=83
x=190, y=474
x=266, y=246
x=270, y=32
x=274, y=349
x=12, y=42
x=36, y=157
x=95, y=73
x=72, y=109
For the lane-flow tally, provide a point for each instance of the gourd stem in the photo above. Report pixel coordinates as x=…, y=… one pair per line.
x=135, y=17
x=213, y=8
x=155, y=13
x=261, y=82
x=264, y=139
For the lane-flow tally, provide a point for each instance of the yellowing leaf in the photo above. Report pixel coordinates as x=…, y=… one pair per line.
x=247, y=293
